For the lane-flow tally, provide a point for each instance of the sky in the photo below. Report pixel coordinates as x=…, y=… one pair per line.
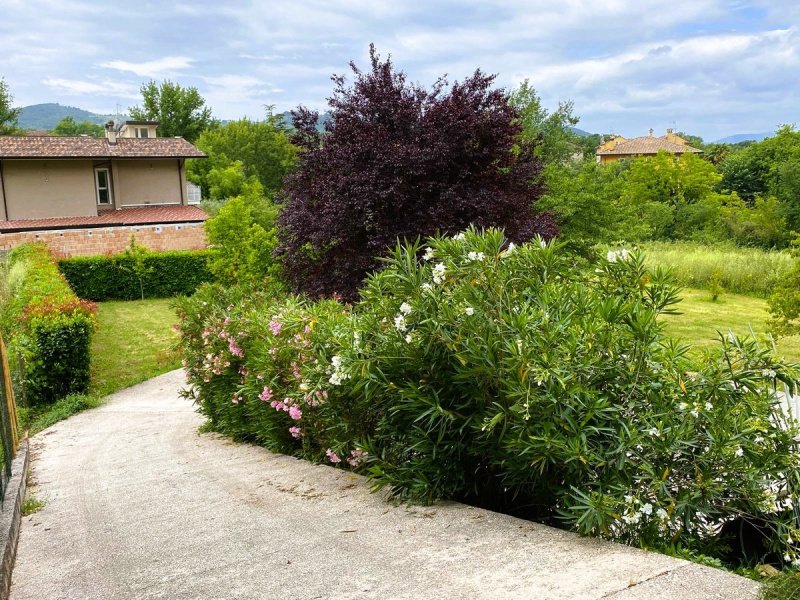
x=707, y=67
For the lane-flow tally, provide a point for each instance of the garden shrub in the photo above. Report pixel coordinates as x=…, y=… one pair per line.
x=116, y=277
x=401, y=161
x=48, y=327
x=520, y=378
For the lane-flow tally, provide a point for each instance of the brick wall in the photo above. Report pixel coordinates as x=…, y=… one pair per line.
x=112, y=240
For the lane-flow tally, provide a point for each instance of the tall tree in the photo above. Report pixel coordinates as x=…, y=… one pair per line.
x=400, y=161
x=9, y=117
x=551, y=132
x=180, y=111
x=262, y=149
x=68, y=126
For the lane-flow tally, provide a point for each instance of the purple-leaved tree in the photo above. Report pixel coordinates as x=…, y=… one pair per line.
x=399, y=161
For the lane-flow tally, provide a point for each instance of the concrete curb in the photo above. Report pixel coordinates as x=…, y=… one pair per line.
x=11, y=516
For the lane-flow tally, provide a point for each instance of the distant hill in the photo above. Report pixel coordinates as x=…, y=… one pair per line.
x=47, y=116
x=744, y=137
x=580, y=132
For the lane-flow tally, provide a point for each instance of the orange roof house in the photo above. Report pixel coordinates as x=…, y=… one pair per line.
x=84, y=195
x=619, y=148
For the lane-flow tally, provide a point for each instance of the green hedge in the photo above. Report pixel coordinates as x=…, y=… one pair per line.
x=47, y=326
x=166, y=274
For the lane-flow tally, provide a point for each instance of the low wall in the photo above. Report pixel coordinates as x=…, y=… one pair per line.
x=111, y=240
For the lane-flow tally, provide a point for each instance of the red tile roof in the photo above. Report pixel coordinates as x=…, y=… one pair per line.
x=648, y=145
x=32, y=146
x=150, y=215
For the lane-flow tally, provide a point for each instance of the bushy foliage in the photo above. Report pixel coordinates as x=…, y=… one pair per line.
x=659, y=198
x=69, y=126
x=180, y=111
x=518, y=377
x=117, y=277
x=240, y=152
x=399, y=161
x=768, y=168
x=550, y=132
x=242, y=247
x=48, y=327
x=9, y=116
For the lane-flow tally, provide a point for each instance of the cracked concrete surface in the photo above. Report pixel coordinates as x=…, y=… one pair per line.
x=141, y=505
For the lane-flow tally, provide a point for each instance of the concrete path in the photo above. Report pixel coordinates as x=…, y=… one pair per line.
x=139, y=505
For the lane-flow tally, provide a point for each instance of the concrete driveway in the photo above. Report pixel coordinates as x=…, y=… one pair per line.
x=140, y=505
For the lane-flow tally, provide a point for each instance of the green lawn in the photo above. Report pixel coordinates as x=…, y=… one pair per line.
x=134, y=342
x=701, y=319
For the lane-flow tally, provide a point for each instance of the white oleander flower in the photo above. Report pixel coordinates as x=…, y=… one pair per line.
x=469, y=311
x=428, y=254
x=405, y=308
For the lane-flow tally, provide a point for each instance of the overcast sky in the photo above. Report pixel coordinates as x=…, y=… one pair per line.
x=709, y=67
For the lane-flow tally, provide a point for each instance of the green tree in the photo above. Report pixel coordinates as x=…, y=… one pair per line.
x=555, y=142
x=262, y=149
x=241, y=248
x=68, y=126
x=584, y=197
x=9, y=117
x=179, y=111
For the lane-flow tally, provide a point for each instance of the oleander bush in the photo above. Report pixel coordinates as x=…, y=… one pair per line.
x=48, y=328
x=521, y=378
x=131, y=275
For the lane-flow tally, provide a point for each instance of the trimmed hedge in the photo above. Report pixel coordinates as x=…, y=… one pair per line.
x=112, y=277
x=47, y=326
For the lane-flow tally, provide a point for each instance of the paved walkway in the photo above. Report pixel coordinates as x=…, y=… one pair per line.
x=139, y=505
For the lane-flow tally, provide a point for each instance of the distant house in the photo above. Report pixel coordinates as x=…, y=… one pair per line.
x=129, y=178
x=618, y=147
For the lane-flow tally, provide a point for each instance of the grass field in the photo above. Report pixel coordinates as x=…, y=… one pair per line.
x=701, y=319
x=738, y=270
x=134, y=342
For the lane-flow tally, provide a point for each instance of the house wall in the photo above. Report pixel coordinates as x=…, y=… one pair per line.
x=147, y=182
x=111, y=240
x=42, y=189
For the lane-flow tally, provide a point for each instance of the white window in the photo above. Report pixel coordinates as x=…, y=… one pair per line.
x=102, y=181
x=193, y=193
x=141, y=132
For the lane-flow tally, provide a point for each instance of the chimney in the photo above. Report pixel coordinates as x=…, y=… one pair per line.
x=669, y=131
x=111, y=133
x=651, y=132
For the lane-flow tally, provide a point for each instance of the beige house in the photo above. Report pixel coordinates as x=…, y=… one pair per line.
x=619, y=148
x=55, y=178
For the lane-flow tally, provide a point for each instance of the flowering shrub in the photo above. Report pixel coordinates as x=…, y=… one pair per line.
x=519, y=378
x=48, y=327
x=263, y=370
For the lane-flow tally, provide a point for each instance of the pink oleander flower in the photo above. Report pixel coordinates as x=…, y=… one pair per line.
x=266, y=393
x=307, y=329
x=296, y=432
x=295, y=412
x=236, y=399
x=332, y=456
x=356, y=456
x=227, y=320
x=223, y=334
x=235, y=349
x=275, y=327
x=296, y=371
x=273, y=351
x=278, y=405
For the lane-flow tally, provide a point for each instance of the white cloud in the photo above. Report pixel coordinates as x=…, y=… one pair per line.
x=105, y=87
x=155, y=69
